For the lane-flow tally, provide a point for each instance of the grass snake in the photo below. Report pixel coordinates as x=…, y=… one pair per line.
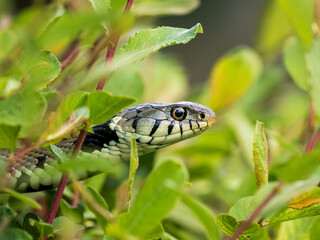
x=153, y=125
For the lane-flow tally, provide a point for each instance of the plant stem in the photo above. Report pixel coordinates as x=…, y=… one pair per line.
x=256, y=212
x=71, y=54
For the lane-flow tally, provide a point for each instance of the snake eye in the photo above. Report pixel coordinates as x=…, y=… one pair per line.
x=178, y=113
x=203, y=116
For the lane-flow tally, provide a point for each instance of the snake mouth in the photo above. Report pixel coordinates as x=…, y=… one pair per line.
x=212, y=119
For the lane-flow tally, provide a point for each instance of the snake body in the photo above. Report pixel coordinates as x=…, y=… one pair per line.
x=153, y=125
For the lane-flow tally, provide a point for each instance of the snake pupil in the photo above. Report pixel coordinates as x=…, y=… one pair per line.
x=178, y=113
x=202, y=115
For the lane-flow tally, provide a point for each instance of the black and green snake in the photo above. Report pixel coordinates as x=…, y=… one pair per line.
x=153, y=125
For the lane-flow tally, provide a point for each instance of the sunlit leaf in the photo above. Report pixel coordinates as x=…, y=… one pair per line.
x=8, y=135
x=232, y=76
x=313, y=58
x=260, y=154
x=76, y=118
x=164, y=7
x=306, y=199
x=149, y=41
x=300, y=14
x=100, y=5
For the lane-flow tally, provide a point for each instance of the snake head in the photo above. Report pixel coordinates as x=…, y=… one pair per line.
x=156, y=125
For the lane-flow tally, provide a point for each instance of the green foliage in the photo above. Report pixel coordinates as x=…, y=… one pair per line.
x=262, y=156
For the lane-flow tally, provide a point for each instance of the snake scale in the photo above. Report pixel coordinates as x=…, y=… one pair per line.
x=153, y=125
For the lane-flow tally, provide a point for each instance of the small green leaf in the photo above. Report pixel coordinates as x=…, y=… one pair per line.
x=295, y=62
x=300, y=15
x=23, y=198
x=61, y=155
x=233, y=75
x=108, y=106
x=228, y=225
x=313, y=58
x=134, y=163
x=44, y=229
x=46, y=69
x=23, y=108
x=8, y=135
x=126, y=83
x=155, y=199
x=149, y=41
x=260, y=154
x=204, y=214
x=164, y=7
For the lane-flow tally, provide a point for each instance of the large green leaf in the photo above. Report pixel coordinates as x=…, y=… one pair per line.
x=103, y=106
x=155, y=199
x=149, y=41
x=164, y=7
x=300, y=14
x=313, y=59
x=127, y=83
x=232, y=76
x=260, y=154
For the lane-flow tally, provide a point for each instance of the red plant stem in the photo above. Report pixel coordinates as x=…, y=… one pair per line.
x=256, y=212
x=112, y=48
x=71, y=54
x=64, y=180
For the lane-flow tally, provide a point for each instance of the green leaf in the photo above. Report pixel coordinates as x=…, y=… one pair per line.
x=23, y=198
x=260, y=154
x=24, y=108
x=155, y=199
x=244, y=207
x=313, y=58
x=204, y=214
x=295, y=62
x=29, y=226
x=7, y=42
x=15, y=233
x=63, y=226
x=8, y=135
x=101, y=6
x=300, y=15
x=156, y=233
x=44, y=229
x=134, y=163
x=149, y=41
x=228, y=225
x=269, y=38
x=46, y=69
x=73, y=213
x=108, y=106
x=126, y=83
x=232, y=76
x=101, y=202
x=164, y=7
x=76, y=118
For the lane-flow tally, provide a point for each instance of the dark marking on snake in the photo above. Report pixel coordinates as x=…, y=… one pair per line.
x=170, y=127
x=134, y=123
x=198, y=124
x=41, y=161
x=149, y=143
x=181, y=129
x=190, y=124
x=155, y=127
